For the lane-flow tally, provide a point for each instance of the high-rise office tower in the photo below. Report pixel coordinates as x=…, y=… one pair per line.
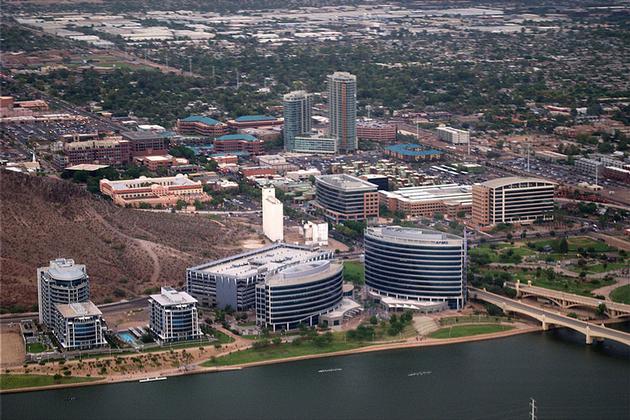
x=342, y=104
x=298, y=112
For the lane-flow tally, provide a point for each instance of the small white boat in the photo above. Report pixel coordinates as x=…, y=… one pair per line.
x=157, y=378
x=426, y=372
x=329, y=370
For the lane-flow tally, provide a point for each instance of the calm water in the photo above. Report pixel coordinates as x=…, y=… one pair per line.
x=483, y=380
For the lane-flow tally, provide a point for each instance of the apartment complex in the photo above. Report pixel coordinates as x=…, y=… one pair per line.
x=231, y=281
x=376, y=131
x=79, y=326
x=346, y=197
x=342, y=108
x=408, y=268
x=201, y=126
x=173, y=316
x=163, y=190
x=273, y=215
x=315, y=145
x=297, y=108
x=62, y=282
x=230, y=143
x=429, y=200
x=512, y=200
x=299, y=294
x=453, y=135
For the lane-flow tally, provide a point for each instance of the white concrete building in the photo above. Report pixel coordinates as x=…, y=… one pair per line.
x=316, y=233
x=453, y=135
x=79, y=326
x=173, y=316
x=273, y=215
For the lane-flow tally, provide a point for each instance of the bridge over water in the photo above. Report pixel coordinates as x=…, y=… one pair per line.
x=548, y=318
x=570, y=300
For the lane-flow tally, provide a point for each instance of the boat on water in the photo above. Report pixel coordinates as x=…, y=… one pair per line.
x=329, y=370
x=426, y=372
x=70, y=398
x=157, y=378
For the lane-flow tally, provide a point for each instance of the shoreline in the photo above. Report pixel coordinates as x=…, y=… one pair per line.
x=360, y=350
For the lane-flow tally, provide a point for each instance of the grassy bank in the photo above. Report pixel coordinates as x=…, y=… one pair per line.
x=8, y=381
x=621, y=294
x=468, y=330
x=354, y=272
x=280, y=351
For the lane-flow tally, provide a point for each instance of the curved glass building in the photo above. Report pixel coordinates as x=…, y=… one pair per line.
x=62, y=282
x=299, y=294
x=415, y=265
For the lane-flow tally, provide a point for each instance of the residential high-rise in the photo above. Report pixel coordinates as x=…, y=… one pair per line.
x=173, y=316
x=512, y=200
x=298, y=112
x=342, y=105
x=415, y=268
x=62, y=282
x=79, y=326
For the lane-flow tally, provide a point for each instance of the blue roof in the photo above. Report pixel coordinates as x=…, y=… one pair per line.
x=247, y=118
x=410, y=149
x=230, y=154
x=246, y=137
x=201, y=119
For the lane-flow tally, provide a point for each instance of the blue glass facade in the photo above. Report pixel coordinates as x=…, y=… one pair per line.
x=413, y=264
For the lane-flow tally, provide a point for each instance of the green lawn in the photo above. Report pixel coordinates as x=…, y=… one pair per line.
x=470, y=319
x=598, y=268
x=468, y=330
x=8, y=381
x=621, y=294
x=566, y=284
x=281, y=351
x=354, y=272
x=35, y=348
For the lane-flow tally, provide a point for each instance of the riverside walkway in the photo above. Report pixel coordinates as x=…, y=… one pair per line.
x=548, y=318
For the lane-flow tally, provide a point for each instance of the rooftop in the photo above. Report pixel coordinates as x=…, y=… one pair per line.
x=143, y=135
x=411, y=149
x=88, y=167
x=346, y=182
x=264, y=260
x=413, y=235
x=74, y=310
x=170, y=296
x=444, y=192
x=250, y=118
x=201, y=119
x=502, y=182
x=66, y=269
x=143, y=182
x=245, y=137
x=304, y=273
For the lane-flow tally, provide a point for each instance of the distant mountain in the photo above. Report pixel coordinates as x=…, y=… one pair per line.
x=127, y=251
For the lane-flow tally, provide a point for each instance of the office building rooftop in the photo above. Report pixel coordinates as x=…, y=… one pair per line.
x=445, y=192
x=304, y=273
x=412, y=235
x=346, y=182
x=170, y=296
x=75, y=310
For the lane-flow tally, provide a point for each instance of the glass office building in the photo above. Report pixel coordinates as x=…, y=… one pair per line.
x=415, y=265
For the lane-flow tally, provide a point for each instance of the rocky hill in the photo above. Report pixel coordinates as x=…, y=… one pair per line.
x=127, y=251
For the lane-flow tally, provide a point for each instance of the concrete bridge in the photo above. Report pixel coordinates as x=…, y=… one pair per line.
x=570, y=300
x=549, y=318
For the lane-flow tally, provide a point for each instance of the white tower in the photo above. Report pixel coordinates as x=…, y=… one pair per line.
x=273, y=215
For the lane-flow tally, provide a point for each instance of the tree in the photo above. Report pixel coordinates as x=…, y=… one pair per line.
x=373, y=320
x=563, y=246
x=601, y=309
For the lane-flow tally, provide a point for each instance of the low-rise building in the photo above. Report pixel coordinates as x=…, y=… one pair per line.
x=229, y=143
x=144, y=143
x=412, y=152
x=429, y=200
x=153, y=163
x=588, y=166
x=173, y=316
x=162, y=190
x=109, y=151
x=254, y=121
x=453, y=135
x=202, y=126
x=376, y=131
x=79, y=326
x=231, y=281
x=346, y=197
x=551, y=156
x=315, y=145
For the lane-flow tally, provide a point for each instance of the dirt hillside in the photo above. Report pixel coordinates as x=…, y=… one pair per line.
x=126, y=251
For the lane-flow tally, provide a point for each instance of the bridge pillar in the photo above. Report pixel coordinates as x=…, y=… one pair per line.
x=518, y=288
x=589, y=339
x=545, y=326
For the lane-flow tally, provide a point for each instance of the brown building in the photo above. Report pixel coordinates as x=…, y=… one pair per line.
x=375, y=131
x=254, y=121
x=429, y=200
x=512, y=200
x=231, y=143
x=145, y=143
x=109, y=151
x=153, y=191
x=201, y=126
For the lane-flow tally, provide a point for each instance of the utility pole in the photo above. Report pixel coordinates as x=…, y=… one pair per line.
x=532, y=411
x=190, y=64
